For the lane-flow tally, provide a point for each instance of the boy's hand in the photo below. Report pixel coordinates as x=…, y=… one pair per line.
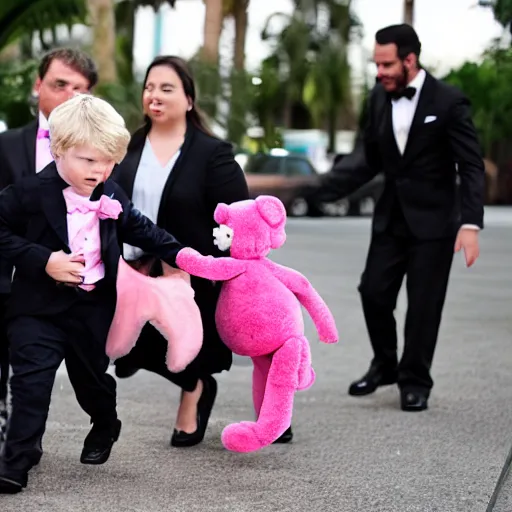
x=65, y=268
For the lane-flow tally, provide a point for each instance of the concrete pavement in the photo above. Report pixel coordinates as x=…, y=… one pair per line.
x=349, y=455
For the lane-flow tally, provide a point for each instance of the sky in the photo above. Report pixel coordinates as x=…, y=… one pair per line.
x=451, y=31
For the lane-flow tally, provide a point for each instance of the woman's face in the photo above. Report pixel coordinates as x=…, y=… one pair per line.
x=164, y=98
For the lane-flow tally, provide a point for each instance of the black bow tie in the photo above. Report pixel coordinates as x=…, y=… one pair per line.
x=408, y=93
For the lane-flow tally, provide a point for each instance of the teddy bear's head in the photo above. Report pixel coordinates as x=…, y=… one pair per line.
x=250, y=228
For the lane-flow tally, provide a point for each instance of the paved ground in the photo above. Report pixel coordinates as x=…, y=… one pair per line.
x=349, y=455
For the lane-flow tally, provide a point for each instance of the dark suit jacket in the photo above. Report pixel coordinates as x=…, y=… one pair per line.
x=17, y=160
x=204, y=175
x=424, y=179
x=33, y=224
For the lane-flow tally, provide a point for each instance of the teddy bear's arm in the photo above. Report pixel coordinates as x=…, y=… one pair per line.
x=208, y=267
x=309, y=298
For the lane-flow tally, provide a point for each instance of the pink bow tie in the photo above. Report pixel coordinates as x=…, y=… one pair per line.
x=43, y=134
x=106, y=207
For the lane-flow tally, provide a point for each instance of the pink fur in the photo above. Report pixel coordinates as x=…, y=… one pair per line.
x=167, y=302
x=259, y=315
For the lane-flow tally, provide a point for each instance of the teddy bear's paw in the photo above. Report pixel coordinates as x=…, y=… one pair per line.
x=306, y=378
x=241, y=437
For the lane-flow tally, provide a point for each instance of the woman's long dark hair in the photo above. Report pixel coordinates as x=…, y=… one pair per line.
x=194, y=116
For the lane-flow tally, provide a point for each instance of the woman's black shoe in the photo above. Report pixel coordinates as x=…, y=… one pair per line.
x=285, y=437
x=182, y=439
x=123, y=370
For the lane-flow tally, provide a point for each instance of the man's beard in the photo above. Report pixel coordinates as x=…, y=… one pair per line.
x=403, y=79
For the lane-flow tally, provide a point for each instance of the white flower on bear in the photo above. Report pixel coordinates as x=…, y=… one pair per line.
x=223, y=237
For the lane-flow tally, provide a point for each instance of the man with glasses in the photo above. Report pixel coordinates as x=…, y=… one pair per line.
x=25, y=151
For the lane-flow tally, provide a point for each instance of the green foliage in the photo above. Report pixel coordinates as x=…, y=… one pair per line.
x=503, y=12
x=487, y=85
x=310, y=62
x=126, y=99
x=16, y=81
x=19, y=17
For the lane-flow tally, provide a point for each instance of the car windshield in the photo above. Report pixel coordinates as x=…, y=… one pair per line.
x=264, y=164
x=284, y=165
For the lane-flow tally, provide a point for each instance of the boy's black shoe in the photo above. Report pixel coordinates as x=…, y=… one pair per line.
x=98, y=443
x=11, y=486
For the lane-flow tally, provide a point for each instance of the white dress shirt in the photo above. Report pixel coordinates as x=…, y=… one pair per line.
x=43, y=154
x=403, y=111
x=148, y=187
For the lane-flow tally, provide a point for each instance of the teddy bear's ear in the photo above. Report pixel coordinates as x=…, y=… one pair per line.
x=272, y=210
x=221, y=214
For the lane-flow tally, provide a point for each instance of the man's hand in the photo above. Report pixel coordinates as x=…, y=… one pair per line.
x=467, y=239
x=65, y=268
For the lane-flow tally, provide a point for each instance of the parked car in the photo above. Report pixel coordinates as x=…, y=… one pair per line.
x=284, y=176
x=360, y=202
x=288, y=176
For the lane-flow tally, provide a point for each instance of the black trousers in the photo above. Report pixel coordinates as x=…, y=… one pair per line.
x=150, y=354
x=4, y=349
x=38, y=345
x=426, y=263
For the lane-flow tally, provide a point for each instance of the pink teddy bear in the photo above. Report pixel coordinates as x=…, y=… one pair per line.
x=259, y=314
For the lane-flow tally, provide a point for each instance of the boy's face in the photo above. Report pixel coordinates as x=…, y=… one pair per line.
x=84, y=167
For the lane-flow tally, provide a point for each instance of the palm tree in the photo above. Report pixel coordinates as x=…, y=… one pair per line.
x=21, y=17
x=502, y=12
x=313, y=63
x=102, y=20
x=409, y=12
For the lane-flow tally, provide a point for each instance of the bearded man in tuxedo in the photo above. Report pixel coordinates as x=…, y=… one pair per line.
x=419, y=133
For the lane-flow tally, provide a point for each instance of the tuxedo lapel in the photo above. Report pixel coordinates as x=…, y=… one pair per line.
x=29, y=141
x=53, y=202
x=20, y=151
x=110, y=250
x=385, y=119
x=390, y=130
x=423, y=109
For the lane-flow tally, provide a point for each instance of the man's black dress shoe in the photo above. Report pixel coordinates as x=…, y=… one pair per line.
x=98, y=443
x=182, y=439
x=285, y=437
x=11, y=486
x=413, y=401
x=374, y=378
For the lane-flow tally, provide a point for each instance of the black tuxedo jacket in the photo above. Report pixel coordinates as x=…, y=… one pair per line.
x=17, y=160
x=424, y=178
x=33, y=224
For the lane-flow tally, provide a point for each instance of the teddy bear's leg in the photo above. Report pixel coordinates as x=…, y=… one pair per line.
x=306, y=372
x=259, y=380
x=276, y=409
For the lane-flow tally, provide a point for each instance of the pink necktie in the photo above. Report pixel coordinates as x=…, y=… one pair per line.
x=106, y=207
x=43, y=134
x=43, y=153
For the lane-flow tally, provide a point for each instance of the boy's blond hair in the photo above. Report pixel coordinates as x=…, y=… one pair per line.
x=87, y=120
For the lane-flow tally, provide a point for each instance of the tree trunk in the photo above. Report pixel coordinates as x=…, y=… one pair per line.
x=102, y=19
x=241, y=22
x=409, y=12
x=11, y=52
x=213, y=19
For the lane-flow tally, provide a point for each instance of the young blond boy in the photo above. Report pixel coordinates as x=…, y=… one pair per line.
x=63, y=229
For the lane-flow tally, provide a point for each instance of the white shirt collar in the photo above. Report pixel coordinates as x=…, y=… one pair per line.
x=418, y=80
x=43, y=122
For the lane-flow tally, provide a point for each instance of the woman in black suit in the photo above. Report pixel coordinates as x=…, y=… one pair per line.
x=176, y=172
